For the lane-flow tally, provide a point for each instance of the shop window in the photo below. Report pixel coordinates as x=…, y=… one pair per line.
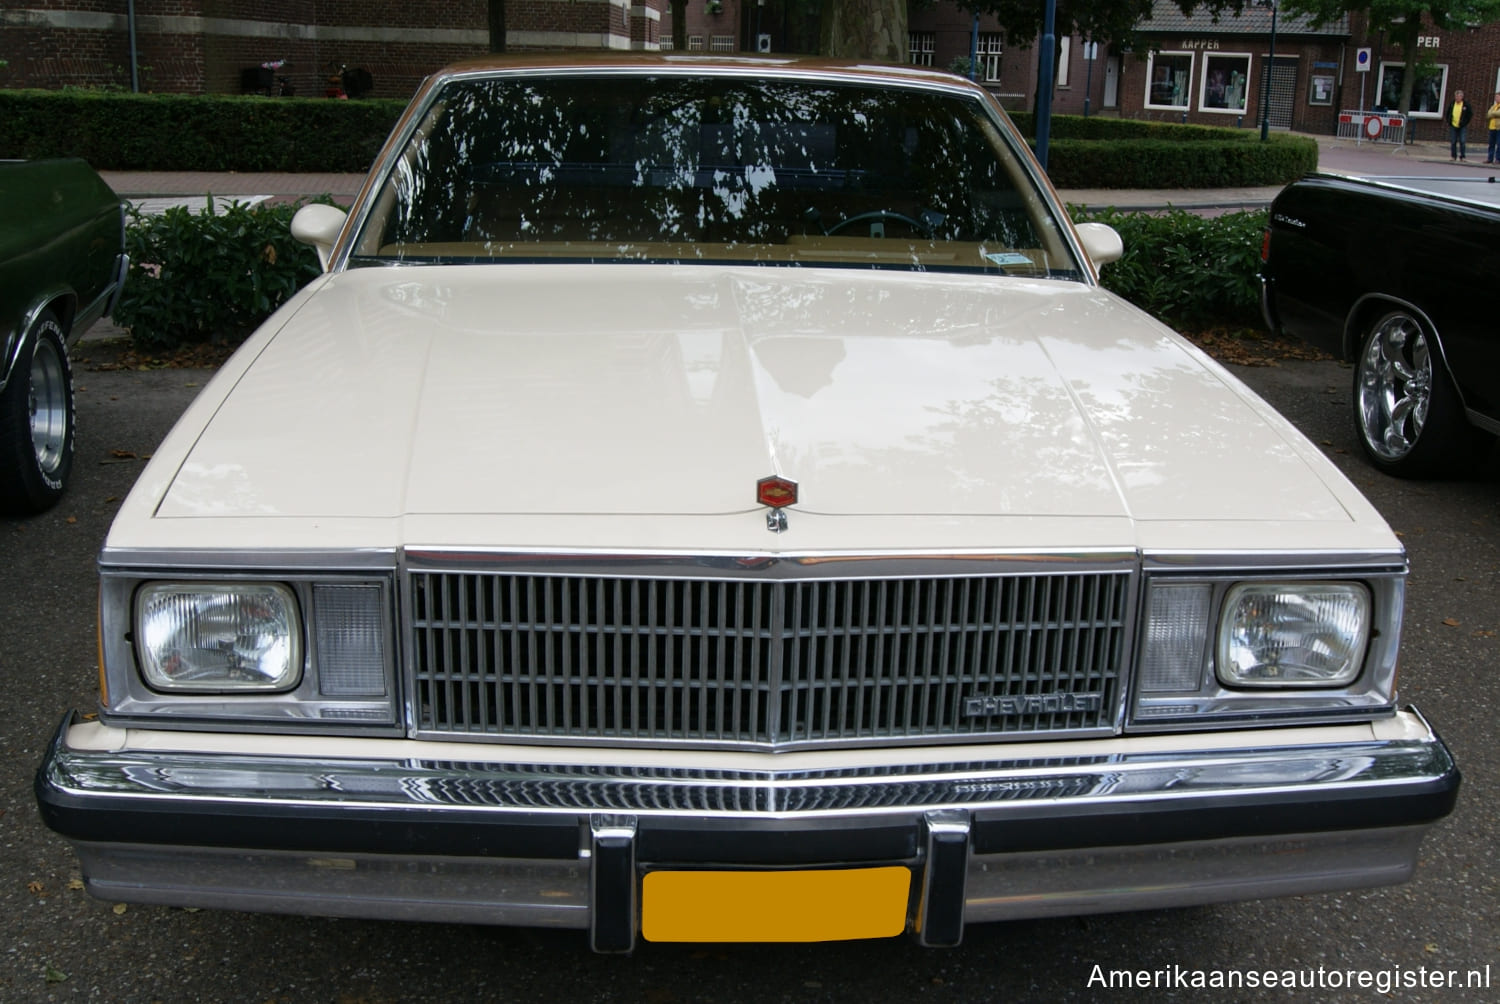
x=1168, y=75
x=1426, y=94
x=1225, y=83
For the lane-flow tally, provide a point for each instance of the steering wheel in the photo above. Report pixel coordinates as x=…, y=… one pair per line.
x=925, y=229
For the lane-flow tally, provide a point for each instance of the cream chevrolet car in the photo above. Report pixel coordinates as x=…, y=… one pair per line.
x=714, y=500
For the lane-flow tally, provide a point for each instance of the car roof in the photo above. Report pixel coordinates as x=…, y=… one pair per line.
x=791, y=66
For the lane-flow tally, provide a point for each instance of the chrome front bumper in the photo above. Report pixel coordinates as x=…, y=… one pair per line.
x=989, y=833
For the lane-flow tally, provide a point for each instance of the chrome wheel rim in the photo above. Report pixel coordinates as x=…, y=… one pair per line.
x=48, y=406
x=1395, y=387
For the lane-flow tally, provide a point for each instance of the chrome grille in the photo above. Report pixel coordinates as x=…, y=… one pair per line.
x=767, y=664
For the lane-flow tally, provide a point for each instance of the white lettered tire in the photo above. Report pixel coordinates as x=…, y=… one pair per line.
x=36, y=422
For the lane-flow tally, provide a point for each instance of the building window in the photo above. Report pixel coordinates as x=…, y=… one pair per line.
x=919, y=46
x=1167, y=77
x=991, y=48
x=721, y=43
x=695, y=42
x=665, y=42
x=1426, y=94
x=1225, y=83
x=1064, y=59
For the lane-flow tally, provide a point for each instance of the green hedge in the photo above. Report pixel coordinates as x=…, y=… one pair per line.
x=1155, y=163
x=181, y=132
x=1109, y=127
x=176, y=132
x=1100, y=152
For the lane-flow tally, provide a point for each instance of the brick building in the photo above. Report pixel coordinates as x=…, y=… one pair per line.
x=1192, y=68
x=1212, y=72
x=207, y=46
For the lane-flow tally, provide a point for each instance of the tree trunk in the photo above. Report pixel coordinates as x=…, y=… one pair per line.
x=679, y=25
x=865, y=29
x=497, y=25
x=1406, y=39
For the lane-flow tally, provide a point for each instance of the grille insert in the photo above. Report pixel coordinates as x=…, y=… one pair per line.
x=769, y=664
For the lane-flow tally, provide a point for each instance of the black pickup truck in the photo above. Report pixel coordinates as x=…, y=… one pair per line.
x=1401, y=276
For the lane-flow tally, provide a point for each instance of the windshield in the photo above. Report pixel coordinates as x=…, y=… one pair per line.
x=669, y=168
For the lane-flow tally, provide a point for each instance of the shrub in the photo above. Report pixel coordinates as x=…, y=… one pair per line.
x=1184, y=269
x=187, y=132
x=207, y=277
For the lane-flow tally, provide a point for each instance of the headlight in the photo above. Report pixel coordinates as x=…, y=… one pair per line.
x=1306, y=634
x=218, y=637
x=1242, y=650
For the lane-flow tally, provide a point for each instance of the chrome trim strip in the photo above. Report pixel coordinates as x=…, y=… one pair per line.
x=763, y=565
x=124, y=560
x=1122, y=774
x=1300, y=563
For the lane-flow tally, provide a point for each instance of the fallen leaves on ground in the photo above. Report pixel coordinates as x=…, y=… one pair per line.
x=119, y=354
x=1249, y=347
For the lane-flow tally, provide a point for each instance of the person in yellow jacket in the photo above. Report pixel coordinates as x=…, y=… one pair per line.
x=1457, y=116
x=1494, y=123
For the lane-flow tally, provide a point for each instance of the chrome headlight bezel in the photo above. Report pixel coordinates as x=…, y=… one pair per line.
x=1180, y=682
x=344, y=682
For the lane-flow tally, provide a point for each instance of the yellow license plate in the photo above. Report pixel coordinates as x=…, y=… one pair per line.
x=775, y=906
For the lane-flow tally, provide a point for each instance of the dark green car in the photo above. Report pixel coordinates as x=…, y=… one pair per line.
x=62, y=263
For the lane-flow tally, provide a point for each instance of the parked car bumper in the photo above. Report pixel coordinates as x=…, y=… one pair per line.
x=1268, y=304
x=446, y=834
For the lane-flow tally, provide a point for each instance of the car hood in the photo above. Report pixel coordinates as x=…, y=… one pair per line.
x=658, y=389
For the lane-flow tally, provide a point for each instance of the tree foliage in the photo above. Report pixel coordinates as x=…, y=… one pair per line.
x=1402, y=22
x=1115, y=21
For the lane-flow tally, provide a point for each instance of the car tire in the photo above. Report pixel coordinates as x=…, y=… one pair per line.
x=36, y=422
x=1407, y=414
